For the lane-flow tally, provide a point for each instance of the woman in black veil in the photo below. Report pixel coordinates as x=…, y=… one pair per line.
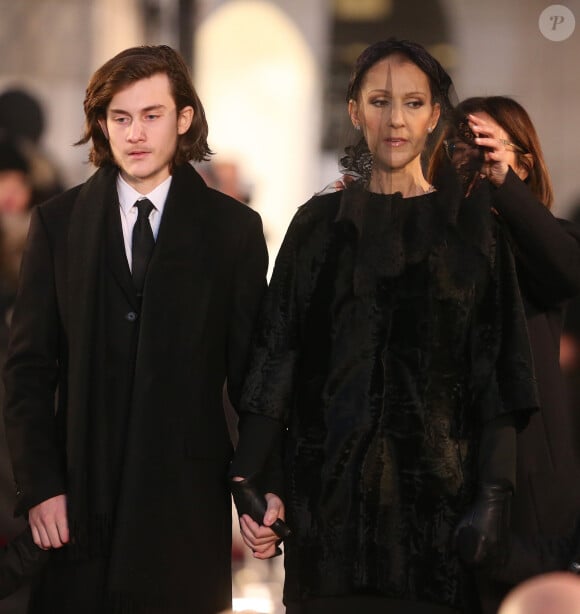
x=393, y=358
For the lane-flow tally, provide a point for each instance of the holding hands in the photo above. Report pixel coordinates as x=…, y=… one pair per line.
x=261, y=538
x=261, y=518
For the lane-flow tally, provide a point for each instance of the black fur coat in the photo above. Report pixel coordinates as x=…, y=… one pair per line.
x=392, y=330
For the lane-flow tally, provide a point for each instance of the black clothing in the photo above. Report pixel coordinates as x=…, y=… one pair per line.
x=546, y=504
x=20, y=560
x=139, y=441
x=364, y=605
x=547, y=253
x=392, y=331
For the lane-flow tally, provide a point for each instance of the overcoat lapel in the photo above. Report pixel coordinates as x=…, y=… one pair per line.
x=116, y=258
x=183, y=246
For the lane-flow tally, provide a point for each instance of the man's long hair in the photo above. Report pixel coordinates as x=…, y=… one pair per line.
x=128, y=67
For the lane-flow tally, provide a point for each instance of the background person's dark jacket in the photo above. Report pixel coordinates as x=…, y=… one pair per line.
x=546, y=503
x=547, y=253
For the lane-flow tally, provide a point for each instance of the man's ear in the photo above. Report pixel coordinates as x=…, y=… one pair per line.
x=184, y=119
x=103, y=125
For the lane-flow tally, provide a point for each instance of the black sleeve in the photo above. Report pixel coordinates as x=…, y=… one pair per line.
x=259, y=455
x=269, y=385
x=497, y=451
x=31, y=374
x=248, y=291
x=249, y=287
x=547, y=249
x=502, y=365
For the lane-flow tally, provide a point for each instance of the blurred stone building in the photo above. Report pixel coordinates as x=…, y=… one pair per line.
x=272, y=73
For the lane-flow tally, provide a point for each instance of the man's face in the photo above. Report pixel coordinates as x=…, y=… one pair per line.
x=142, y=126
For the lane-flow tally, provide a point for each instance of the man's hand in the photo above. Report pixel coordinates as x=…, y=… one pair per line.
x=49, y=523
x=260, y=538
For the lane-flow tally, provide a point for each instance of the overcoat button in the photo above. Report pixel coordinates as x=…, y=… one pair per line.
x=131, y=316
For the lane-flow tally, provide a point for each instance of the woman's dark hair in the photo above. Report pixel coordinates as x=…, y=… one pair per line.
x=128, y=67
x=440, y=86
x=439, y=81
x=514, y=119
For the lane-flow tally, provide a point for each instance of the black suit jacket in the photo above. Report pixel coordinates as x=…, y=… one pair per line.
x=202, y=292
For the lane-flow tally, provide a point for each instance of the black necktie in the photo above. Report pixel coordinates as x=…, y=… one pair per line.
x=142, y=243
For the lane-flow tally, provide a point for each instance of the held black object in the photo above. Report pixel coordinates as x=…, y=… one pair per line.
x=482, y=535
x=249, y=501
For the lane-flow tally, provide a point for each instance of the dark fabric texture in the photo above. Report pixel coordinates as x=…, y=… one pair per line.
x=364, y=605
x=497, y=451
x=393, y=329
x=144, y=379
x=546, y=503
x=255, y=435
x=20, y=560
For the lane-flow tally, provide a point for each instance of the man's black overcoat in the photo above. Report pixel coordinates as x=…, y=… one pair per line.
x=170, y=533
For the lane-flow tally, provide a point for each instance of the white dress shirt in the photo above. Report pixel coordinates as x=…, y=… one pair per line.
x=128, y=196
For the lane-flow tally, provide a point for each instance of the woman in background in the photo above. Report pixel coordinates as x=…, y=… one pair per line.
x=546, y=503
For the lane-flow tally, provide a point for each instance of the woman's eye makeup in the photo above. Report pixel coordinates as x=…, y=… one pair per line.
x=415, y=103
x=379, y=102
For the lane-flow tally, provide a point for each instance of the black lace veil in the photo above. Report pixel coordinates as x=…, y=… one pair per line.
x=356, y=164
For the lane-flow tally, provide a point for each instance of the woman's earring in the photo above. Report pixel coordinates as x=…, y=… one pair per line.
x=357, y=126
x=430, y=129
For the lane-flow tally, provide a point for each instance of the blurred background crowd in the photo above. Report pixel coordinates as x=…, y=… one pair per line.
x=272, y=76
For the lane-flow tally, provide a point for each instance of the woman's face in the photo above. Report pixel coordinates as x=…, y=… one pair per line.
x=395, y=112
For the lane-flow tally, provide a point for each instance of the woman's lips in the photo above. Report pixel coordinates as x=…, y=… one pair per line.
x=394, y=142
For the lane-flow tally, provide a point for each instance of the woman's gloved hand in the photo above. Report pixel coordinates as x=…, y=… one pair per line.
x=250, y=501
x=482, y=536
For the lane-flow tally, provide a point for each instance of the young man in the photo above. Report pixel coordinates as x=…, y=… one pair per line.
x=138, y=295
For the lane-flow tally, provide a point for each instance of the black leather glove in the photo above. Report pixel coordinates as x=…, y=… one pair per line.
x=249, y=501
x=482, y=536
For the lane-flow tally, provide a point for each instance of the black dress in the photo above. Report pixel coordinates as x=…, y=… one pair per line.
x=392, y=331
